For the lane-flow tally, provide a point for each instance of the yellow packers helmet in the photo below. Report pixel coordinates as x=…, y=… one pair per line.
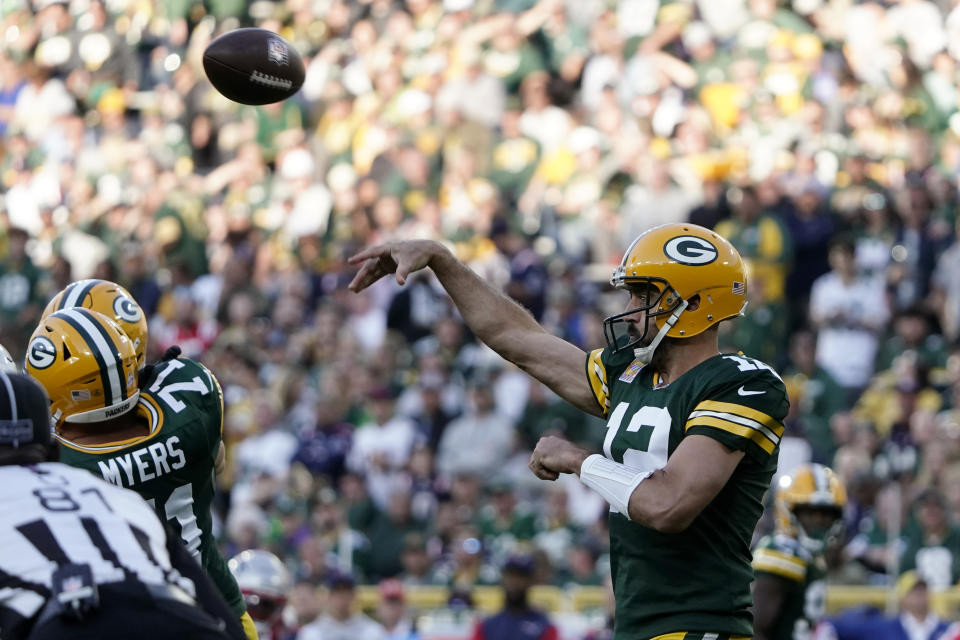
x=6, y=362
x=680, y=261
x=111, y=300
x=810, y=486
x=87, y=365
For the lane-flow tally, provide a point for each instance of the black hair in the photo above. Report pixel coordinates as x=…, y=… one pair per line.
x=843, y=243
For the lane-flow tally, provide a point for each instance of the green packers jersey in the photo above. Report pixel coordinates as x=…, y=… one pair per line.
x=173, y=466
x=804, y=604
x=698, y=579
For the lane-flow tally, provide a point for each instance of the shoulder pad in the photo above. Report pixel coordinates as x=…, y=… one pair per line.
x=778, y=555
x=786, y=544
x=184, y=381
x=745, y=368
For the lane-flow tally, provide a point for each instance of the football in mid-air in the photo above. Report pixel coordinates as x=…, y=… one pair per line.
x=253, y=66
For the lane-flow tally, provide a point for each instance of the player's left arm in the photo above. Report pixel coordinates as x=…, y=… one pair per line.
x=208, y=597
x=769, y=594
x=666, y=499
x=216, y=412
x=671, y=498
x=741, y=416
x=221, y=462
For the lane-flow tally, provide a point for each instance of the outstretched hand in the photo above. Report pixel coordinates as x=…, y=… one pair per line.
x=401, y=258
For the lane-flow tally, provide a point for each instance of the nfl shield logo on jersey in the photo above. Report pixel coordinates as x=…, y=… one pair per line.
x=277, y=51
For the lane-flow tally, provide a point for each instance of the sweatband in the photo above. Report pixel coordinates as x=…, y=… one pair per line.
x=615, y=482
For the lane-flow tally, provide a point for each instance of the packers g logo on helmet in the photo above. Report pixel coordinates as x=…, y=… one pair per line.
x=42, y=353
x=125, y=308
x=87, y=365
x=691, y=250
x=111, y=300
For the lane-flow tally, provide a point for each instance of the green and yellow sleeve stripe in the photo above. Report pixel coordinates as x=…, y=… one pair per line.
x=756, y=426
x=781, y=564
x=597, y=376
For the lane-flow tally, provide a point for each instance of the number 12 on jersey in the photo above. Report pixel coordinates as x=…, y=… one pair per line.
x=652, y=426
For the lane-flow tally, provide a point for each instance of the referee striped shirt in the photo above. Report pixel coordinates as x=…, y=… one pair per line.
x=52, y=514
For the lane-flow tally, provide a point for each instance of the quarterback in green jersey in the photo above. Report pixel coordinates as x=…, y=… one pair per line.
x=789, y=595
x=692, y=435
x=156, y=431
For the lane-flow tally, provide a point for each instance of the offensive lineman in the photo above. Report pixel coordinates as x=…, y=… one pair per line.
x=80, y=558
x=156, y=429
x=791, y=566
x=692, y=434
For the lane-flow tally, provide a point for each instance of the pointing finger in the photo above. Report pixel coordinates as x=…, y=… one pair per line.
x=365, y=276
x=371, y=252
x=403, y=270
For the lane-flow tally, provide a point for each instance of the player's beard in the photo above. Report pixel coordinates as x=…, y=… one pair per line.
x=635, y=331
x=661, y=355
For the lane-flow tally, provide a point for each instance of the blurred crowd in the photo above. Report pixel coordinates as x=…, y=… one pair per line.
x=371, y=434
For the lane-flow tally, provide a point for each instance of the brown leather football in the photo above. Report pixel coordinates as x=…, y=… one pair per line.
x=253, y=66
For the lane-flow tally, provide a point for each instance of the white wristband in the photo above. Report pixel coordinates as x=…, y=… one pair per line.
x=615, y=482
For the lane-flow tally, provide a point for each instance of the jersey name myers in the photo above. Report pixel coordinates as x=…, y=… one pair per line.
x=145, y=463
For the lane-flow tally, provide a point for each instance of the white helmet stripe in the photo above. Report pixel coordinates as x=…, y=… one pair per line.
x=109, y=355
x=820, y=478
x=76, y=292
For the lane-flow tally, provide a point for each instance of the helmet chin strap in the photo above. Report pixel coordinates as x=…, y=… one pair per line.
x=645, y=354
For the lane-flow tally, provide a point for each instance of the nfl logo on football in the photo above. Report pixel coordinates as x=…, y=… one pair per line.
x=276, y=51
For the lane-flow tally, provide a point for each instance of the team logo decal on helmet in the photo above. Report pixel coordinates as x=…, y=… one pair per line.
x=42, y=353
x=111, y=300
x=126, y=309
x=690, y=250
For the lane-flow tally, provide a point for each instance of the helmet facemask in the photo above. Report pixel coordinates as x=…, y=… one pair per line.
x=816, y=538
x=654, y=309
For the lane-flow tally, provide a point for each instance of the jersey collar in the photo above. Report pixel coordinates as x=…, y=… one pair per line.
x=147, y=408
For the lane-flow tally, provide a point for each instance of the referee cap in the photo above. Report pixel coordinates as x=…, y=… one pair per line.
x=24, y=411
